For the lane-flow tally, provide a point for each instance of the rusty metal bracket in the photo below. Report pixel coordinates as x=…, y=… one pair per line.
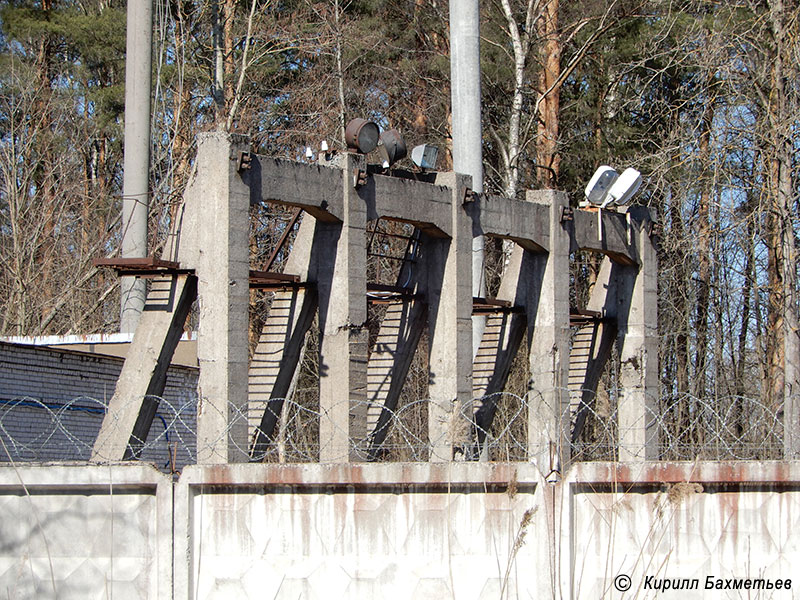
x=244, y=162
x=359, y=177
x=149, y=266
x=567, y=214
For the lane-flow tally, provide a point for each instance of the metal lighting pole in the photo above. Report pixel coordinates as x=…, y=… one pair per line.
x=465, y=99
x=135, y=182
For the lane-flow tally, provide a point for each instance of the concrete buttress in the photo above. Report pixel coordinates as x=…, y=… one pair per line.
x=273, y=367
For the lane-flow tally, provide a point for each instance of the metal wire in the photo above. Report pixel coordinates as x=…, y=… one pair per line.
x=675, y=428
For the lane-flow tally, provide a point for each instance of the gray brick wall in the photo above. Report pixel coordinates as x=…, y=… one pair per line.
x=52, y=402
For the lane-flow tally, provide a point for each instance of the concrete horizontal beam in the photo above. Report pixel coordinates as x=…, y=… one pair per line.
x=425, y=205
x=314, y=188
x=526, y=223
x=614, y=241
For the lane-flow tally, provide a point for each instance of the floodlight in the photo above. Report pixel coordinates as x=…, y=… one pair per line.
x=599, y=184
x=323, y=146
x=606, y=187
x=309, y=153
x=424, y=156
x=624, y=187
x=392, y=147
x=361, y=135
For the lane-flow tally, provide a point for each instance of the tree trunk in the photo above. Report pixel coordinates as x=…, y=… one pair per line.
x=547, y=157
x=703, y=242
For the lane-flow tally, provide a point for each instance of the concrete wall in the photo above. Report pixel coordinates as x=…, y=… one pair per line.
x=85, y=532
x=392, y=531
x=400, y=531
x=52, y=402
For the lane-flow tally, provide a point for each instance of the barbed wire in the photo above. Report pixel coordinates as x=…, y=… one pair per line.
x=675, y=428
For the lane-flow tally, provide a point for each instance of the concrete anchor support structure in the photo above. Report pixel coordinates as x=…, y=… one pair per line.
x=504, y=332
x=213, y=234
x=326, y=276
x=625, y=297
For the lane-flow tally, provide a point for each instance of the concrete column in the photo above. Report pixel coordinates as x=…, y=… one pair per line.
x=217, y=236
x=342, y=284
x=548, y=313
x=637, y=322
x=136, y=166
x=449, y=287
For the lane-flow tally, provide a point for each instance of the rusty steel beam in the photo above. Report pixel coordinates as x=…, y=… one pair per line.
x=284, y=237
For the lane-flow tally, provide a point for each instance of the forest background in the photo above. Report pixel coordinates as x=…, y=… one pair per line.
x=703, y=97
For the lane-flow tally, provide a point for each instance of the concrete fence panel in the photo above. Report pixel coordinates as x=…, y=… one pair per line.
x=449, y=530
x=85, y=532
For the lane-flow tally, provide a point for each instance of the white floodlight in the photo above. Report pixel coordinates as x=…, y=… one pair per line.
x=324, y=146
x=624, y=187
x=424, y=156
x=606, y=187
x=309, y=153
x=599, y=184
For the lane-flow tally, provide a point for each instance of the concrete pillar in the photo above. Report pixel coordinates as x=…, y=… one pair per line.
x=548, y=314
x=637, y=322
x=136, y=166
x=449, y=264
x=216, y=244
x=342, y=284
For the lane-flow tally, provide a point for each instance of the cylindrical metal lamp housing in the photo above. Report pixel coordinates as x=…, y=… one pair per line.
x=392, y=146
x=362, y=135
